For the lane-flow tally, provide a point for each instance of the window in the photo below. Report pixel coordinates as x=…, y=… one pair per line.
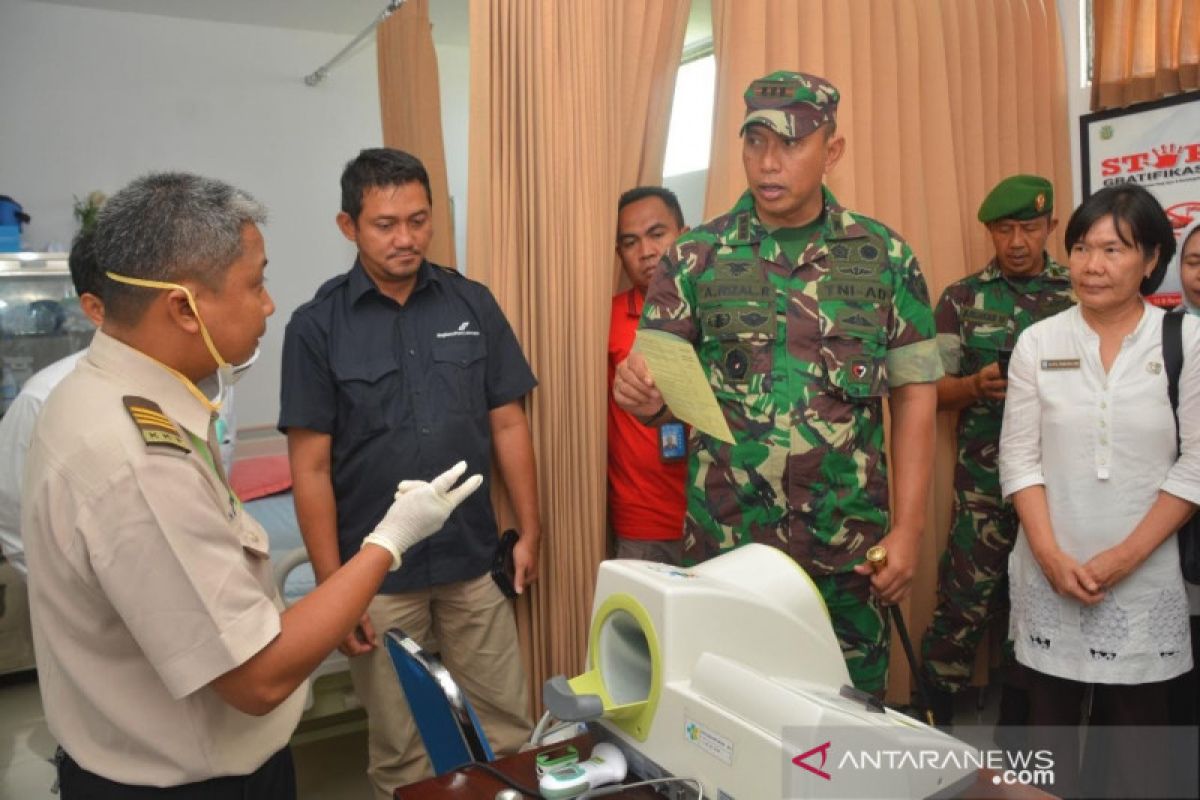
x=689, y=137
x=1087, y=44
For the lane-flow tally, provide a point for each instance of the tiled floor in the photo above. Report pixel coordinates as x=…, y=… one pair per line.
x=25, y=744
x=330, y=763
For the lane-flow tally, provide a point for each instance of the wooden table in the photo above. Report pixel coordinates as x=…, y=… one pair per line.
x=475, y=784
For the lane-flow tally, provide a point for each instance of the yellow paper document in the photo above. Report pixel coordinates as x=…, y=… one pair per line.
x=680, y=378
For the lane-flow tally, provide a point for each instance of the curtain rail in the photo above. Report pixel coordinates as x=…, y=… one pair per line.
x=318, y=75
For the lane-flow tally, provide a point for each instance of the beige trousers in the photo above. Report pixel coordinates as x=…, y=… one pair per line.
x=470, y=625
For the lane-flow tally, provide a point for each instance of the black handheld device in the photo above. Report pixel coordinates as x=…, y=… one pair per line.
x=504, y=571
x=1002, y=358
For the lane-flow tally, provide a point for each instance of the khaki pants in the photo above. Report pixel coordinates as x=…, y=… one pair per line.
x=471, y=627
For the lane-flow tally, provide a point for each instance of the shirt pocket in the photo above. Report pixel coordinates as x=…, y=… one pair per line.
x=252, y=536
x=366, y=391
x=741, y=340
x=982, y=342
x=854, y=350
x=459, y=373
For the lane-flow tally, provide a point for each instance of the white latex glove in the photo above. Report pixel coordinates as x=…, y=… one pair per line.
x=420, y=510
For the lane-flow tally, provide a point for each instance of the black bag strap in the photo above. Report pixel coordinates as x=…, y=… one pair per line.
x=1172, y=351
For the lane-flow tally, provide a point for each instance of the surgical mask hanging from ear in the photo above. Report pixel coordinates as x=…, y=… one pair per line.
x=227, y=375
x=222, y=392
x=241, y=369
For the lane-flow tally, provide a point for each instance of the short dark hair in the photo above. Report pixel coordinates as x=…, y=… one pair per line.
x=661, y=192
x=1134, y=208
x=376, y=167
x=86, y=273
x=166, y=226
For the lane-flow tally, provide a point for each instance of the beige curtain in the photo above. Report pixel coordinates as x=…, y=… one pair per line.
x=1144, y=49
x=940, y=100
x=569, y=107
x=411, y=109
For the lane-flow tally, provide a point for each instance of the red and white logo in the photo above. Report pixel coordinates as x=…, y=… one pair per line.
x=1183, y=214
x=1165, y=156
x=801, y=760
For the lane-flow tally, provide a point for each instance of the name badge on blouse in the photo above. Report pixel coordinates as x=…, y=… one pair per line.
x=1060, y=363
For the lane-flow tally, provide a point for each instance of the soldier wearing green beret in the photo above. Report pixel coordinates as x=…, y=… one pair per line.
x=978, y=321
x=805, y=316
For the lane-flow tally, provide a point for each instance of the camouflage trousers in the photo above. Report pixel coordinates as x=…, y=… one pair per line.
x=861, y=627
x=972, y=587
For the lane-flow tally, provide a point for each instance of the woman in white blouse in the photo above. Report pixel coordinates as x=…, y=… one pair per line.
x=1088, y=456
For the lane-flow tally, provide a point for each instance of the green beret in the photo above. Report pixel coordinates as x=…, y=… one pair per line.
x=1018, y=197
x=792, y=104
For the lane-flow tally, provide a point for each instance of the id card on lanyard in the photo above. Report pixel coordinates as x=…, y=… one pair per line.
x=672, y=442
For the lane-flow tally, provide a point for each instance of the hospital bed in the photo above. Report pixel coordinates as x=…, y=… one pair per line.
x=332, y=707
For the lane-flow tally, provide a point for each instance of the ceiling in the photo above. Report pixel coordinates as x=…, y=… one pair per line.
x=348, y=17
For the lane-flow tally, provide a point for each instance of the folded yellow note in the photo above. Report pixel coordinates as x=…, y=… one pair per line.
x=680, y=378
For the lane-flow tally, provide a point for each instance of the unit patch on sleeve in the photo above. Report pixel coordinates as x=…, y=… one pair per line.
x=158, y=432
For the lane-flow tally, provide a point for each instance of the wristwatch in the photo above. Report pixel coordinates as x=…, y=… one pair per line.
x=656, y=415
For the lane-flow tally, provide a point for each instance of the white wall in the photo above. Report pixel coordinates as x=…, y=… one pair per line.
x=91, y=99
x=454, y=64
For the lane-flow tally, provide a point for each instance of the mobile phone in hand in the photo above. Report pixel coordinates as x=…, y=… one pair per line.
x=504, y=569
x=1003, y=358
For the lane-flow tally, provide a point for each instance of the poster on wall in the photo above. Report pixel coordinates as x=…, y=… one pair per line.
x=1156, y=145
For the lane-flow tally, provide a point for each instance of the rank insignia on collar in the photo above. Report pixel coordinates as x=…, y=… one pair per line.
x=158, y=432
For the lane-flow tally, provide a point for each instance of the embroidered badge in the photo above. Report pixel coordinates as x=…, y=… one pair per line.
x=1154, y=367
x=869, y=251
x=157, y=431
x=983, y=316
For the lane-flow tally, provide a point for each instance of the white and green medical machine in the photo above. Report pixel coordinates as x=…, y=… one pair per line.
x=728, y=671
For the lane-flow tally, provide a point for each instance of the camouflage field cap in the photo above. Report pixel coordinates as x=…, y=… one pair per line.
x=1018, y=197
x=792, y=104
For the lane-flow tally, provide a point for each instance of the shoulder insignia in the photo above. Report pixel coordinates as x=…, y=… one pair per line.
x=158, y=432
x=743, y=227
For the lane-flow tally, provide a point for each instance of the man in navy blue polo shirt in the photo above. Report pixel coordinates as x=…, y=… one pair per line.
x=398, y=369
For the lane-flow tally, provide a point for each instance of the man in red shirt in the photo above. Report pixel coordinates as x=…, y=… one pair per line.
x=647, y=465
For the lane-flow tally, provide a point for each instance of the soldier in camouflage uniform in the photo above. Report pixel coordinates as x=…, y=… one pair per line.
x=805, y=316
x=978, y=321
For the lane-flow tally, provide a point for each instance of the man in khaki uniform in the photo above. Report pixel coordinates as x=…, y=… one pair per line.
x=167, y=664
